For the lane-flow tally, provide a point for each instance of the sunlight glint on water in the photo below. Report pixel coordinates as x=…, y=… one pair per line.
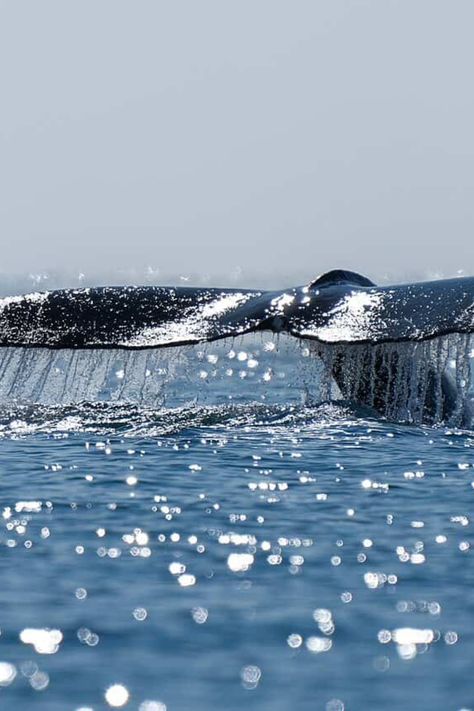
x=212, y=533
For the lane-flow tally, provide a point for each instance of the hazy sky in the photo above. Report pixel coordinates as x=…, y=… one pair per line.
x=203, y=136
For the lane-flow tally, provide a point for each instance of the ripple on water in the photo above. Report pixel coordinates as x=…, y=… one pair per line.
x=261, y=554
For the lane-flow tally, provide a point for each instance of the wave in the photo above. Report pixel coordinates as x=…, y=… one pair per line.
x=123, y=419
x=111, y=420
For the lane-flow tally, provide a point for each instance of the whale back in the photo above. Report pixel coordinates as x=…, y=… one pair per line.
x=340, y=276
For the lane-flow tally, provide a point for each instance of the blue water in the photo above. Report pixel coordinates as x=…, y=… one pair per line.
x=234, y=548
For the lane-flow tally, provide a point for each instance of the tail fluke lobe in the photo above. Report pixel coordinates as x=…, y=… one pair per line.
x=125, y=317
x=345, y=313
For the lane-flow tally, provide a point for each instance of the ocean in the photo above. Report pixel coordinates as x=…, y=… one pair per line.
x=204, y=530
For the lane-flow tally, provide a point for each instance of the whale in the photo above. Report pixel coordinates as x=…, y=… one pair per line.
x=339, y=309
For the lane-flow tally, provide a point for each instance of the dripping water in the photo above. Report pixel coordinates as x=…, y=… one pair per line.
x=426, y=381
x=406, y=382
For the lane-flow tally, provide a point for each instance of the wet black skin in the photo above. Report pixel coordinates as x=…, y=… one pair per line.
x=116, y=317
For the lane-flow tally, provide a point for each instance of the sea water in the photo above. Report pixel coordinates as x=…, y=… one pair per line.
x=207, y=529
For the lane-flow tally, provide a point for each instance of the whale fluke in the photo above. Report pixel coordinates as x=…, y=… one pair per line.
x=351, y=321
x=338, y=307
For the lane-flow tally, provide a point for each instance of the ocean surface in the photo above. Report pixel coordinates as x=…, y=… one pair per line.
x=220, y=536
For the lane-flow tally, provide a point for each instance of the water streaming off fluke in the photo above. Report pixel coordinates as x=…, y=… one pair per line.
x=427, y=381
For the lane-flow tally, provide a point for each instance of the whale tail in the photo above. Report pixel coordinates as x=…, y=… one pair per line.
x=338, y=307
x=341, y=309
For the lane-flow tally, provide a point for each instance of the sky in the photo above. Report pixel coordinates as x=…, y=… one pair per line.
x=258, y=140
